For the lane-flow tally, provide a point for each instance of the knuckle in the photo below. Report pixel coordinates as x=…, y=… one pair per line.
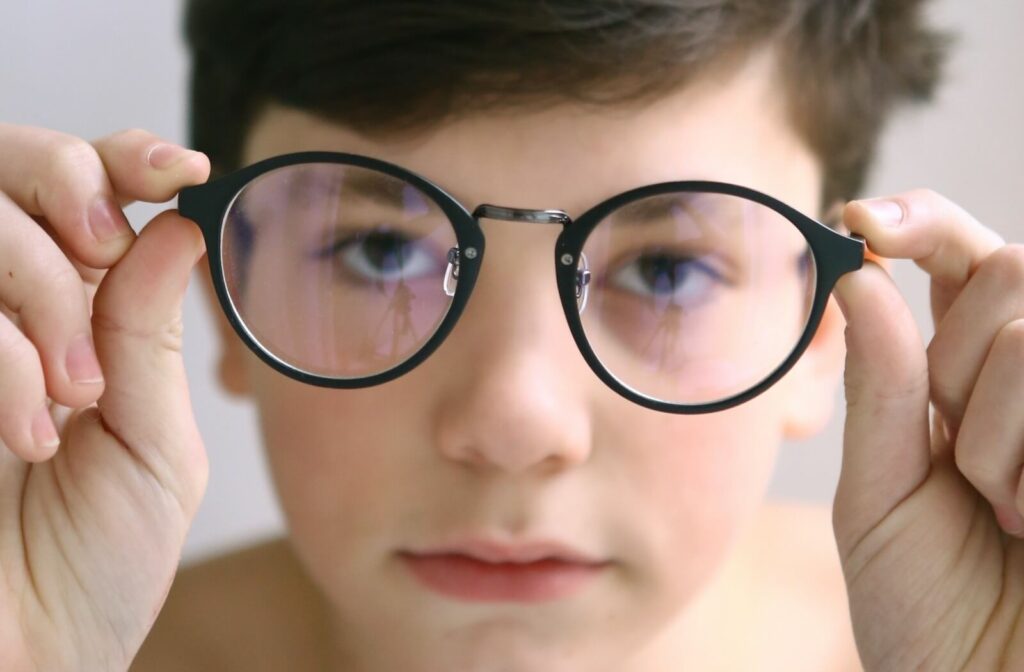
x=174, y=460
x=133, y=133
x=22, y=376
x=134, y=138
x=171, y=336
x=56, y=283
x=52, y=282
x=978, y=468
x=925, y=196
x=917, y=202
x=61, y=276
x=167, y=336
x=970, y=466
x=69, y=155
x=1009, y=342
x=1005, y=266
x=16, y=351
x=898, y=389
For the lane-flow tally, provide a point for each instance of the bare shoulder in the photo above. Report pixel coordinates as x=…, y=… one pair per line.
x=797, y=565
x=249, y=609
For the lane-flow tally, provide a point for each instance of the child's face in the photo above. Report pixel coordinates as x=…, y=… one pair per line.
x=505, y=431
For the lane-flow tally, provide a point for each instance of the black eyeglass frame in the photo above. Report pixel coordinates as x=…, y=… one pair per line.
x=208, y=204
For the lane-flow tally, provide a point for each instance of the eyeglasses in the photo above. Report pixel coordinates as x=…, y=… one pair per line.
x=345, y=271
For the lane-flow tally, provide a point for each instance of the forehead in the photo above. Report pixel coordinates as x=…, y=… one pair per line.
x=730, y=127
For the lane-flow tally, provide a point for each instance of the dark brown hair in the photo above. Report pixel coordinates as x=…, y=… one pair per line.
x=391, y=66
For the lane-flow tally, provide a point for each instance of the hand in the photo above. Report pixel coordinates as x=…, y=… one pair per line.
x=924, y=510
x=91, y=531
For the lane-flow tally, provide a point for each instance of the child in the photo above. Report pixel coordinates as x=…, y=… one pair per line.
x=499, y=505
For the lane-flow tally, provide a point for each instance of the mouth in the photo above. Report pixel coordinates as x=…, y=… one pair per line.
x=483, y=571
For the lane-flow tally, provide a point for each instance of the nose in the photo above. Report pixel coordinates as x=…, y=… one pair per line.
x=516, y=392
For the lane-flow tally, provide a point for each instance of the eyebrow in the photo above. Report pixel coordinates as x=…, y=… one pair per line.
x=652, y=210
x=381, y=189
x=388, y=191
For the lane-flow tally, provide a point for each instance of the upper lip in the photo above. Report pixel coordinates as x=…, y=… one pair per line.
x=489, y=549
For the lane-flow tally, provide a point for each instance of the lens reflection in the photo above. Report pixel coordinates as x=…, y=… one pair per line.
x=696, y=297
x=337, y=270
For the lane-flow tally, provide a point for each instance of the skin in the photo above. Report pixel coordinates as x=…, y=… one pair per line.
x=926, y=516
x=508, y=422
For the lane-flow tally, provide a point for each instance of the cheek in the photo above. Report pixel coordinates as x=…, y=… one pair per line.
x=670, y=493
x=692, y=484
x=330, y=453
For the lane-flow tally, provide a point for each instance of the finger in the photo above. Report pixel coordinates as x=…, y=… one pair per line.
x=886, y=451
x=869, y=254
x=91, y=277
x=48, y=295
x=61, y=177
x=65, y=179
x=940, y=236
x=993, y=298
x=138, y=331
x=25, y=425
x=990, y=443
x=143, y=167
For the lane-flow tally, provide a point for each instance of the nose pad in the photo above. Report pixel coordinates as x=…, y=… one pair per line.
x=582, y=283
x=451, y=274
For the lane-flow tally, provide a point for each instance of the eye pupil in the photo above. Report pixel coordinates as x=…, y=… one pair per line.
x=386, y=251
x=662, y=272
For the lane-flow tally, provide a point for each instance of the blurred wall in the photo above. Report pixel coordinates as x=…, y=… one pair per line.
x=93, y=68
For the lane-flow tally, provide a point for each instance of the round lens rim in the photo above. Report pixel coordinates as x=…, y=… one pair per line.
x=209, y=204
x=834, y=255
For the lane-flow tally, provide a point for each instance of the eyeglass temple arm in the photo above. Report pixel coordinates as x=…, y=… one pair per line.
x=869, y=255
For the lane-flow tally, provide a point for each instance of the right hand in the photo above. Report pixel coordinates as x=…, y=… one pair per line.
x=91, y=531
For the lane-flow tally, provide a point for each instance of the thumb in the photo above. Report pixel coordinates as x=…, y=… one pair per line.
x=886, y=453
x=137, y=329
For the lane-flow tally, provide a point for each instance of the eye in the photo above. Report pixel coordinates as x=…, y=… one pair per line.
x=380, y=256
x=667, y=278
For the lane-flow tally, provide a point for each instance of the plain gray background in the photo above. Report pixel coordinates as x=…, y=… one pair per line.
x=93, y=68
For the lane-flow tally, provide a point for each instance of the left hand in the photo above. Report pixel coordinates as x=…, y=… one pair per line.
x=924, y=510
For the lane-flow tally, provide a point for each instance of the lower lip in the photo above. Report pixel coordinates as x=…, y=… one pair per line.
x=465, y=578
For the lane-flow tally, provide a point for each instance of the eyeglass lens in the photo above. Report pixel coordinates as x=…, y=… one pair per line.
x=346, y=272
x=337, y=270
x=696, y=297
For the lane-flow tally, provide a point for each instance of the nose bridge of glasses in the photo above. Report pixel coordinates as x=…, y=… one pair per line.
x=487, y=211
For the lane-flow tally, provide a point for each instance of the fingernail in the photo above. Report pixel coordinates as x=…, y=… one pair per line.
x=82, y=365
x=1010, y=521
x=884, y=210
x=164, y=156
x=44, y=433
x=106, y=220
